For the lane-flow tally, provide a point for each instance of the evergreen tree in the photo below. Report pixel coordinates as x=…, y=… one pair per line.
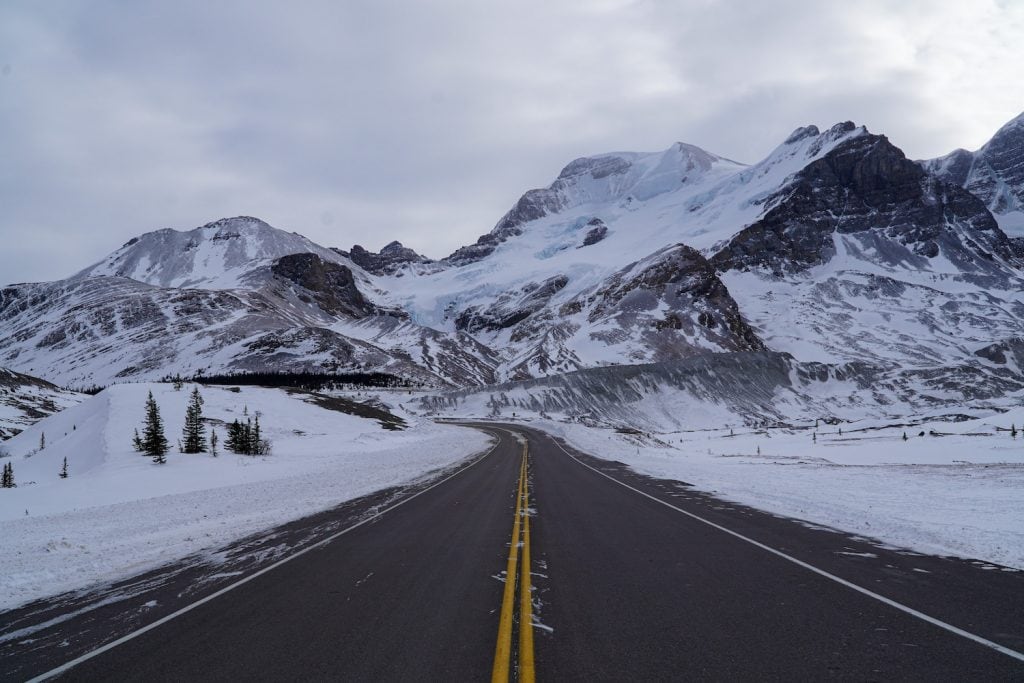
x=213, y=442
x=64, y=469
x=194, y=432
x=154, y=443
x=137, y=441
x=7, y=480
x=246, y=438
x=904, y=436
x=234, y=430
x=42, y=441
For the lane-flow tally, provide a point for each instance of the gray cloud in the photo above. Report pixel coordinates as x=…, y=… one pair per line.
x=363, y=122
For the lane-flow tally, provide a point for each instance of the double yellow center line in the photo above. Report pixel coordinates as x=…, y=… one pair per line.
x=503, y=650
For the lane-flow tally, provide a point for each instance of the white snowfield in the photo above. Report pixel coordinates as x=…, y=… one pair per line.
x=959, y=492
x=118, y=513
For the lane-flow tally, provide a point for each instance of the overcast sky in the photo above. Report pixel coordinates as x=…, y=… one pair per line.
x=363, y=122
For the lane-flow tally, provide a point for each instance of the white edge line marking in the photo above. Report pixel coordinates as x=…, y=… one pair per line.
x=821, y=572
x=188, y=608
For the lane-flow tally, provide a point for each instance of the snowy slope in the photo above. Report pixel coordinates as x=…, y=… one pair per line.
x=960, y=493
x=119, y=513
x=646, y=202
x=753, y=389
x=25, y=400
x=217, y=255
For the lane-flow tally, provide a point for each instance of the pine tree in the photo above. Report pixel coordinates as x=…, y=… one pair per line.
x=137, y=441
x=213, y=442
x=246, y=439
x=234, y=441
x=255, y=450
x=249, y=446
x=42, y=441
x=904, y=436
x=7, y=480
x=154, y=443
x=64, y=469
x=194, y=432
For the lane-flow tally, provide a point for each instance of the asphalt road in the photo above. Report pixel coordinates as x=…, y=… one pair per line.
x=624, y=584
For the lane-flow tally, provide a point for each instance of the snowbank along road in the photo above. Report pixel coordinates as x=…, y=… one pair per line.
x=608, y=575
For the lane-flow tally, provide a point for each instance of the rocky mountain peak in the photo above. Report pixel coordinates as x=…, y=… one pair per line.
x=994, y=173
x=216, y=255
x=802, y=133
x=866, y=186
x=330, y=284
x=237, y=224
x=602, y=179
x=389, y=260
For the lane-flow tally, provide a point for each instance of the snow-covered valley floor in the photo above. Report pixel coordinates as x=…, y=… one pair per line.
x=118, y=513
x=959, y=492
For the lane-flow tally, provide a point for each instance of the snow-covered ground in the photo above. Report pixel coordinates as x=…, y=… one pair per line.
x=958, y=493
x=119, y=513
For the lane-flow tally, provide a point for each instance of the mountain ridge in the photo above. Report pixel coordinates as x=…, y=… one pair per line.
x=834, y=248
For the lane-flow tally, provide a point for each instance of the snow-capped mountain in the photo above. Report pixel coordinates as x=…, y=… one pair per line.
x=217, y=255
x=25, y=400
x=232, y=296
x=834, y=249
x=994, y=174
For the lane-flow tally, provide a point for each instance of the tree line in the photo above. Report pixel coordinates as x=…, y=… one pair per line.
x=312, y=381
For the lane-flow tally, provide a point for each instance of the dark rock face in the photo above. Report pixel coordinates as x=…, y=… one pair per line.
x=330, y=284
x=1007, y=350
x=994, y=174
x=867, y=187
x=597, y=232
x=697, y=304
x=510, y=308
x=390, y=259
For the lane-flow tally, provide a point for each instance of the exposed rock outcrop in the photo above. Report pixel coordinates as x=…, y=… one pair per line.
x=867, y=187
x=331, y=285
x=389, y=260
